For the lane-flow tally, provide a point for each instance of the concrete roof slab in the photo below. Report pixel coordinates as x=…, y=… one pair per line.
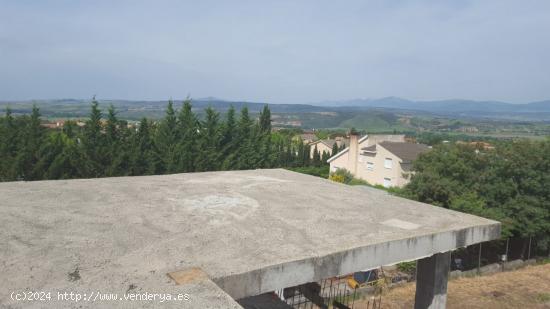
x=250, y=231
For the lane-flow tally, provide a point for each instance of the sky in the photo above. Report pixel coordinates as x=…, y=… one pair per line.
x=275, y=51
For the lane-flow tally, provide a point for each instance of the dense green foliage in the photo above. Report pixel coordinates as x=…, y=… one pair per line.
x=510, y=183
x=434, y=138
x=180, y=142
x=319, y=171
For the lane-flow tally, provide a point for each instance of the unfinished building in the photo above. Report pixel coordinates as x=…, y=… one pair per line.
x=218, y=237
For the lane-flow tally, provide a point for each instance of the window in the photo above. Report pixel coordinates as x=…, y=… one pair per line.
x=387, y=182
x=387, y=163
x=370, y=166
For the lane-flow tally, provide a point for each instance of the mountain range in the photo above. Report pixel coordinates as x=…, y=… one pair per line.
x=535, y=111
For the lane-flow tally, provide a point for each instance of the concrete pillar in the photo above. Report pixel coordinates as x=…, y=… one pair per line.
x=431, y=281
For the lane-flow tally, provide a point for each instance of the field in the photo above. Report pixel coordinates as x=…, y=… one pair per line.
x=524, y=288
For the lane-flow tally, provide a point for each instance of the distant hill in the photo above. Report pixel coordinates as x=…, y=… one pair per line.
x=152, y=109
x=374, y=121
x=535, y=111
x=492, y=109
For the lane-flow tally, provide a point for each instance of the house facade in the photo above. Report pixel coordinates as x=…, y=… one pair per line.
x=379, y=159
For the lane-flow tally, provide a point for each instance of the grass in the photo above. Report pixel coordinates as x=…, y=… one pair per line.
x=528, y=287
x=543, y=297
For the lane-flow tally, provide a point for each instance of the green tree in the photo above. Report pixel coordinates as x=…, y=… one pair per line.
x=246, y=155
x=325, y=157
x=93, y=141
x=209, y=142
x=316, y=160
x=143, y=157
x=228, y=141
x=263, y=138
x=507, y=183
x=9, y=142
x=265, y=120
x=335, y=149
x=61, y=158
x=167, y=140
x=187, y=134
x=70, y=128
x=32, y=140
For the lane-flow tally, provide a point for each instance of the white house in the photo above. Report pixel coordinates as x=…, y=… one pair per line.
x=378, y=159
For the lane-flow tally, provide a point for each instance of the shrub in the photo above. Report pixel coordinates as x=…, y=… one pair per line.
x=320, y=171
x=358, y=182
x=407, y=267
x=341, y=175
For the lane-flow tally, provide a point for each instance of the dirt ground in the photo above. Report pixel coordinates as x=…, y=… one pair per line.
x=528, y=287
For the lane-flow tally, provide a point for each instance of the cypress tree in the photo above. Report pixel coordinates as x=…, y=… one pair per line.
x=187, y=125
x=316, y=160
x=267, y=157
x=94, y=141
x=325, y=157
x=61, y=158
x=301, y=154
x=143, y=159
x=167, y=138
x=121, y=163
x=113, y=145
x=265, y=120
x=209, y=142
x=244, y=140
x=334, y=149
x=306, y=156
x=228, y=141
x=28, y=155
x=111, y=127
x=8, y=147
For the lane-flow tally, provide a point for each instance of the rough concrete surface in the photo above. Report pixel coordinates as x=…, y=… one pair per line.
x=250, y=231
x=431, y=281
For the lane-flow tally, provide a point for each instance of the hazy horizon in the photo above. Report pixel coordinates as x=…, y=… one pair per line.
x=275, y=52
x=322, y=102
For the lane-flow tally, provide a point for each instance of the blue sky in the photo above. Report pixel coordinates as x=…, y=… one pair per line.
x=275, y=51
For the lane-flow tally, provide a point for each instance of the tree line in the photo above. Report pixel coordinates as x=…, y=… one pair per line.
x=509, y=183
x=180, y=142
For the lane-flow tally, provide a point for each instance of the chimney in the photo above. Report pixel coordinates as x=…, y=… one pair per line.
x=353, y=151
